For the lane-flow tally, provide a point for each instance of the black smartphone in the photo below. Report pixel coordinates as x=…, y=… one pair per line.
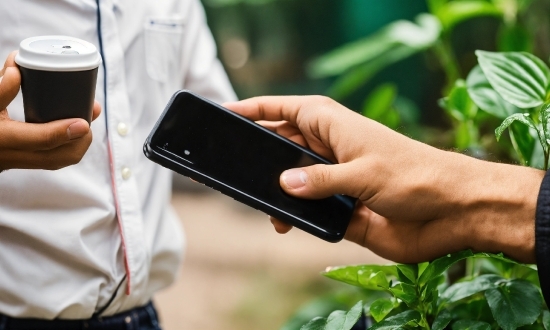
x=234, y=155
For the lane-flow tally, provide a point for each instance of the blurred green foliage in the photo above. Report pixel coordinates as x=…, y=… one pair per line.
x=384, y=70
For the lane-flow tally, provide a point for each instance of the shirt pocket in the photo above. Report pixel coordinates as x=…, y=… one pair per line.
x=163, y=44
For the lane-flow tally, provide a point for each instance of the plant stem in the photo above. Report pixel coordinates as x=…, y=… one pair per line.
x=546, y=155
x=448, y=62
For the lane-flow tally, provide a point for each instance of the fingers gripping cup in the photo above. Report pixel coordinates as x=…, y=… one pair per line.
x=58, y=78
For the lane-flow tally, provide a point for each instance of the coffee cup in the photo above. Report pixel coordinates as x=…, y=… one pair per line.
x=58, y=78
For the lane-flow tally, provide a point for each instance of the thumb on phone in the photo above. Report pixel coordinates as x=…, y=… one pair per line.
x=320, y=181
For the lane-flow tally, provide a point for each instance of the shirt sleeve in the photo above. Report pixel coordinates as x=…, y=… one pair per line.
x=542, y=236
x=203, y=71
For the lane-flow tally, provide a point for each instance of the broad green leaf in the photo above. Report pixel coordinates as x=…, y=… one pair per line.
x=337, y=320
x=416, y=37
x=359, y=275
x=546, y=319
x=514, y=38
x=521, y=117
x=462, y=290
x=422, y=267
x=420, y=36
x=359, y=75
x=399, y=321
x=470, y=325
x=409, y=272
x=442, y=320
x=475, y=309
x=520, y=78
x=405, y=292
x=317, y=323
x=454, y=12
x=379, y=101
x=376, y=280
x=514, y=303
x=341, y=320
x=499, y=256
x=342, y=59
x=485, y=97
x=438, y=266
x=324, y=304
x=380, y=308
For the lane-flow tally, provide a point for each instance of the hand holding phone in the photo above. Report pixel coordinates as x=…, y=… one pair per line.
x=232, y=154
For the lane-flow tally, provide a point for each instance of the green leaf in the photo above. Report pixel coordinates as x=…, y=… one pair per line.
x=546, y=319
x=520, y=78
x=459, y=103
x=399, y=321
x=466, y=289
x=473, y=309
x=337, y=320
x=438, y=266
x=376, y=280
x=442, y=320
x=408, y=272
x=544, y=117
x=379, y=101
x=317, y=323
x=470, y=325
x=485, y=97
x=415, y=37
x=514, y=303
x=523, y=142
x=521, y=117
x=359, y=75
x=405, y=292
x=514, y=38
x=380, y=308
x=361, y=275
x=454, y=12
x=431, y=287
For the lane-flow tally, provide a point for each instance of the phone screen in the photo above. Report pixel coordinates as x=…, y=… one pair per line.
x=245, y=157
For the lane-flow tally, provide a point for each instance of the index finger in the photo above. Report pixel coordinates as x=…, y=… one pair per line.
x=270, y=108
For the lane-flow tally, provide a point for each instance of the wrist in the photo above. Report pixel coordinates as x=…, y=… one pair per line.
x=498, y=208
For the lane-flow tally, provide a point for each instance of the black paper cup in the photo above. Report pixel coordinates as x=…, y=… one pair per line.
x=58, y=78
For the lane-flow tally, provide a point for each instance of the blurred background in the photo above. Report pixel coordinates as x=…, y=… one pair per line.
x=394, y=61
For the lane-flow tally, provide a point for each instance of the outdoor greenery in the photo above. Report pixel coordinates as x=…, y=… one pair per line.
x=507, y=90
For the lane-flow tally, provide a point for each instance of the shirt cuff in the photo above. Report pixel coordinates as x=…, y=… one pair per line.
x=542, y=236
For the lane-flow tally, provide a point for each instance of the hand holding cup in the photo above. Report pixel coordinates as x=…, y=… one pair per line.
x=51, y=145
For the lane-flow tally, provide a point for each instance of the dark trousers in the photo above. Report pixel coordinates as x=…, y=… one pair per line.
x=141, y=318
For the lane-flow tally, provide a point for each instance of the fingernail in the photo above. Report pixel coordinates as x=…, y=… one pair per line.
x=77, y=129
x=294, y=178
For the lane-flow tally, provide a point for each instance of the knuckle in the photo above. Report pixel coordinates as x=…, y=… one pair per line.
x=50, y=139
x=323, y=100
x=321, y=175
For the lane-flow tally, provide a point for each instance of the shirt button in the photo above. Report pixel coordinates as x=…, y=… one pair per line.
x=122, y=129
x=128, y=319
x=126, y=173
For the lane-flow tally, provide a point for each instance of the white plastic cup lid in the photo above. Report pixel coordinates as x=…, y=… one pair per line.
x=57, y=53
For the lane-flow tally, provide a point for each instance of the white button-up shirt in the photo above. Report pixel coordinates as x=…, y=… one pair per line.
x=63, y=249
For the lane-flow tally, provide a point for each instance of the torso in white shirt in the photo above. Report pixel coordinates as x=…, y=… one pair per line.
x=61, y=249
